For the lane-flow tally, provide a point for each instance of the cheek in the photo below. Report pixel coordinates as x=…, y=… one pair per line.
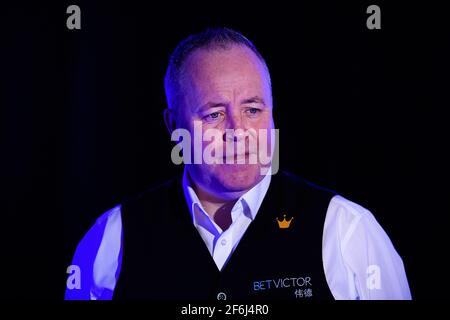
x=213, y=139
x=263, y=122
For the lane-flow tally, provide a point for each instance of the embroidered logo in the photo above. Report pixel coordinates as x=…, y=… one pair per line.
x=284, y=224
x=300, y=286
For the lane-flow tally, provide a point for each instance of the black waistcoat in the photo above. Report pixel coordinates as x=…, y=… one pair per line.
x=164, y=256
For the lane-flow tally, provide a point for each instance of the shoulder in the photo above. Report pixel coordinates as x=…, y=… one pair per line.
x=95, y=234
x=289, y=179
x=346, y=221
x=351, y=220
x=337, y=206
x=111, y=214
x=361, y=240
x=347, y=211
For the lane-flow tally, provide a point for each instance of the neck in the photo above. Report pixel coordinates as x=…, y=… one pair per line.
x=218, y=209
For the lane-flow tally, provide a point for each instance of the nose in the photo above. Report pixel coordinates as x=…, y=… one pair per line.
x=234, y=129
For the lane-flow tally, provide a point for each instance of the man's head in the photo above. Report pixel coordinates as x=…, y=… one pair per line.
x=219, y=79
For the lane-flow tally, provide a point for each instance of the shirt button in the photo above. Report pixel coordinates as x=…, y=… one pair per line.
x=221, y=296
x=223, y=242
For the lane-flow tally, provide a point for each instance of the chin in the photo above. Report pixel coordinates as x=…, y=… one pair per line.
x=238, y=178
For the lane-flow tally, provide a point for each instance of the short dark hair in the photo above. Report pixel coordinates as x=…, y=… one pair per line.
x=211, y=38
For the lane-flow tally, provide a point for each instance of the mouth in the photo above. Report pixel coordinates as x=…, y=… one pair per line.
x=236, y=157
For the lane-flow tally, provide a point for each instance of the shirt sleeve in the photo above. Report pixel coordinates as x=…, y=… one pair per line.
x=97, y=256
x=360, y=260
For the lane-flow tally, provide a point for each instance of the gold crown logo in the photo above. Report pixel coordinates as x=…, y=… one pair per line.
x=284, y=224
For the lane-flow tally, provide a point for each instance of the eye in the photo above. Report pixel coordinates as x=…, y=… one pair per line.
x=215, y=116
x=252, y=112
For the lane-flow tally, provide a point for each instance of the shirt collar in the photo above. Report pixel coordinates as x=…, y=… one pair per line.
x=250, y=201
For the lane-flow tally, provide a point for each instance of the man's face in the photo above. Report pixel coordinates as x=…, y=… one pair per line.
x=226, y=89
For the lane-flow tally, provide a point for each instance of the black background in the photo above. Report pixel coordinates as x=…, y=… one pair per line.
x=359, y=111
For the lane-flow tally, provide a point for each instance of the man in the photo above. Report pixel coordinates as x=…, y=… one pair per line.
x=234, y=229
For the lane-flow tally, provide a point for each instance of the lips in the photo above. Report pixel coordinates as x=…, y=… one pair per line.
x=239, y=157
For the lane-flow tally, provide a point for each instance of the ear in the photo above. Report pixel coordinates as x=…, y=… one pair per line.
x=169, y=120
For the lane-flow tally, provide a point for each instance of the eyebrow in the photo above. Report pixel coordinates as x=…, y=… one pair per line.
x=208, y=105
x=255, y=99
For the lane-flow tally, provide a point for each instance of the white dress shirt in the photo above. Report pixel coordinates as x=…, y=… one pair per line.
x=359, y=259
x=221, y=244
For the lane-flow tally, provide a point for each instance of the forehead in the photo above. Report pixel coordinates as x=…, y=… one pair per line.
x=233, y=69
